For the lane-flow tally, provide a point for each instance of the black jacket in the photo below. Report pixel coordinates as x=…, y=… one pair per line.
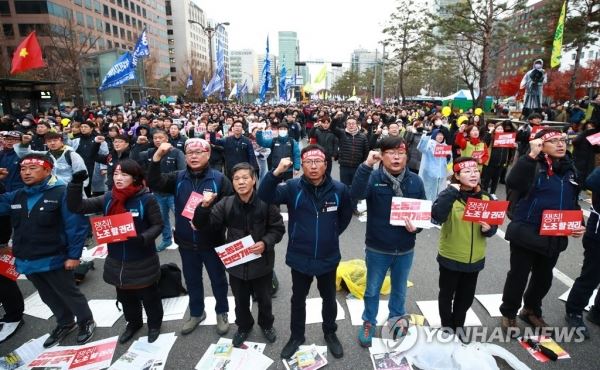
x=354, y=149
x=111, y=160
x=256, y=218
x=327, y=139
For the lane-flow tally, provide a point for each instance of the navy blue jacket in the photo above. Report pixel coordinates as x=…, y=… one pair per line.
x=318, y=215
x=182, y=184
x=593, y=225
x=10, y=160
x=235, y=150
x=376, y=188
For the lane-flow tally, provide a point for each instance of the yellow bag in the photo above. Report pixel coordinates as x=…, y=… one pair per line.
x=354, y=275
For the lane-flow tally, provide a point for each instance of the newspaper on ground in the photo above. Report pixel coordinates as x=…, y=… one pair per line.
x=223, y=357
x=390, y=361
x=306, y=358
x=146, y=356
x=91, y=356
x=24, y=354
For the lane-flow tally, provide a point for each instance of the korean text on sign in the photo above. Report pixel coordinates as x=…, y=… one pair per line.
x=237, y=252
x=505, y=140
x=114, y=228
x=442, y=150
x=7, y=267
x=491, y=212
x=416, y=210
x=560, y=223
x=191, y=204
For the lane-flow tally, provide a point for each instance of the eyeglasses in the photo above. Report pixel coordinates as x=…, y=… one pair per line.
x=195, y=154
x=556, y=141
x=313, y=162
x=395, y=153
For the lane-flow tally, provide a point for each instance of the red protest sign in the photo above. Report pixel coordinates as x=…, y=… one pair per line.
x=534, y=130
x=594, y=139
x=7, y=267
x=491, y=212
x=114, y=228
x=505, y=140
x=416, y=210
x=192, y=203
x=477, y=154
x=560, y=223
x=442, y=150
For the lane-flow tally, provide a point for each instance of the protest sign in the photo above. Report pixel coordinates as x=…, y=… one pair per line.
x=560, y=223
x=113, y=228
x=477, y=154
x=442, y=150
x=491, y=212
x=7, y=267
x=191, y=204
x=534, y=130
x=92, y=356
x=505, y=140
x=237, y=252
x=594, y=139
x=416, y=210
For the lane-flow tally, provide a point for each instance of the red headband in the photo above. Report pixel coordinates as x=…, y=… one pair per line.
x=197, y=144
x=462, y=165
x=551, y=135
x=313, y=153
x=37, y=162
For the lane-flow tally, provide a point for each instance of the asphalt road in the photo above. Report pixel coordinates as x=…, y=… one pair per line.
x=188, y=350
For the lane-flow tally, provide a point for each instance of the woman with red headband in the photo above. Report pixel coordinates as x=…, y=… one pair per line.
x=462, y=243
x=132, y=266
x=470, y=144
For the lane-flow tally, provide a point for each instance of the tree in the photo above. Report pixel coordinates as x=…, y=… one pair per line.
x=471, y=28
x=407, y=35
x=582, y=27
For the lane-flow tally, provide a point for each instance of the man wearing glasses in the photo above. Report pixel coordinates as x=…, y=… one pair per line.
x=196, y=247
x=388, y=247
x=319, y=209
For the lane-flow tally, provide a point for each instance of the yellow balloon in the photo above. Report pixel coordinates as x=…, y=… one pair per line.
x=461, y=119
x=460, y=111
x=446, y=111
x=478, y=111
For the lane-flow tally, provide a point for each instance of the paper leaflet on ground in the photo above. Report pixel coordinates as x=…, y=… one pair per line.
x=105, y=312
x=314, y=307
x=144, y=355
x=418, y=211
x=34, y=306
x=173, y=308
x=235, y=359
x=254, y=346
x=546, y=342
x=24, y=354
x=91, y=356
x=431, y=312
x=211, y=315
x=565, y=296
x=390, y=361
x=237, y=252
x=305, y=359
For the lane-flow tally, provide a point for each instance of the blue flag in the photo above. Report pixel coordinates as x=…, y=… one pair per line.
x=141, y=49
x=282, y=82
x=243, y=90
x=266, y=75
x=122, y=71
x=204, y=87
x=190, y=82
x=217, y=82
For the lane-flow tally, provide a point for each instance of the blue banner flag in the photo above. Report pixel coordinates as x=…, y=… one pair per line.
x=266, y=75
x=282, y=82
x=190, y=82
x=122, y=71
x=141, y=49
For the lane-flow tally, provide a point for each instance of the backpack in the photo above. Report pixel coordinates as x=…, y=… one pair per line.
x=170, y=283
x=68, y=158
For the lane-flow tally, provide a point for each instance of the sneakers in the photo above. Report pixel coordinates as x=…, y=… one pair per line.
x=532, y=318
x=291, y=347
x=86, y=331
x=270, y=334
x=594, y=315
x=365, y=334
x=334, y=346
x=222, y=323
x=509, y=326
x=576, y=321
x=192, y=323
x=59, y=333
x=239, y=338
x=8, y=329
x=129, y=332
x=153, y=334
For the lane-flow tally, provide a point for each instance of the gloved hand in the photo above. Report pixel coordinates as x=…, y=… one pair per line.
x=79, y=177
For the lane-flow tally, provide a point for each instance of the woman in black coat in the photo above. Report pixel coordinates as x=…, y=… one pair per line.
x=132, y=266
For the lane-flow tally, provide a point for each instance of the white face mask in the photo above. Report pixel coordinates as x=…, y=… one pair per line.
x=537, y=66
x=384, y=132
x=282, y=133
x=369, y=121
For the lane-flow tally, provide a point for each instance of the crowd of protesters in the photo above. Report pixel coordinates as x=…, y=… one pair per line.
x=246, y=160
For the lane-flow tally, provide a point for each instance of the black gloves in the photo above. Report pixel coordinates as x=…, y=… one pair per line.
x=79, y=177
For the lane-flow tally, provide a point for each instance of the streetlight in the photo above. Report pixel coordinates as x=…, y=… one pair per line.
x=209, y=30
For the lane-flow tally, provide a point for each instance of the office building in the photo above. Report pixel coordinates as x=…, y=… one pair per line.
x=243, y=68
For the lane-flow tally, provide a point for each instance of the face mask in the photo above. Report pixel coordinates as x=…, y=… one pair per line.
x=537, y=66
x=437, y=122
x=282, y=133
x=384, y=132
x=25, y=123
x=369, y=121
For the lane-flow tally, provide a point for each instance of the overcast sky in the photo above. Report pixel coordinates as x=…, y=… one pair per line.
x=327, y=29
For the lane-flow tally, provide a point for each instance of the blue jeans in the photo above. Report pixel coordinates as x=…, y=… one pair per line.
x=377, y=266
x=192, y=262
x=166, y=204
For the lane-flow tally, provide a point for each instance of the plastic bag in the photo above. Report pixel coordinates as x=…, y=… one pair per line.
x=353, y=274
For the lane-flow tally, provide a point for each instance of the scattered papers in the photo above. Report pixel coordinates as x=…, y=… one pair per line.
x=431, y=312
x=105, y=312
x=173, y=308
x=547, y=342
x=92, y=356
x=238, y=359
x=565, y=296
x=313, y=310
x=144, y=355
x=491, y=302
x=34, y=306
x=357, y=306
x=305, y=359
x=211, y=316
x=24, y=354
x=254, y=346
x=390, y=361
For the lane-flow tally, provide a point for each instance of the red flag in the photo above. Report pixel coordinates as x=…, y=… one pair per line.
x=28, y=55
